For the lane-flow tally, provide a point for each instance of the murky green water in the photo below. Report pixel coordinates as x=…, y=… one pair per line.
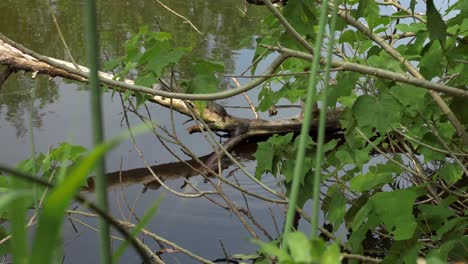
x=59, y=112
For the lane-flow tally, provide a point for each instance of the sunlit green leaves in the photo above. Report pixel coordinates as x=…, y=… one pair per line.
x=450, y=172
x=394, y=209
x=299, y=249
x=369, y=10
x=369, y=181
x=270, y=153
x=299, y=246
x=410, y=96
x=382, y=113
x=158, y=58
x=411, y=27
x=150, y=54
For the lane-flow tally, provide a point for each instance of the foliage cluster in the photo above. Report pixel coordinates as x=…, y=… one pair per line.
x=399, y=173
x=395, y=181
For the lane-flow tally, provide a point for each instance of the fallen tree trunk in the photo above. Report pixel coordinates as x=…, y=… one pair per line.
x=16, y=57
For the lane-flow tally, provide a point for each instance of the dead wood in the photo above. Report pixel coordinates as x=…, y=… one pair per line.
x=15, y=58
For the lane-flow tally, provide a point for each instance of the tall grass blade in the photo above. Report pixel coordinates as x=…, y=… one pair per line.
x=321, y=128
x=17, y=213
x=98, y=129
x=308, y=109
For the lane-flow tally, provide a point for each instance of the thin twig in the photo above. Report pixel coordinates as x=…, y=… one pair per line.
x=62, y=38
x=252, y=106
x=181, y=16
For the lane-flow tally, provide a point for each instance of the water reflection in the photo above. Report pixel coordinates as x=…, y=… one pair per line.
x=184, y=221
x=171, y=171
x=30, y=23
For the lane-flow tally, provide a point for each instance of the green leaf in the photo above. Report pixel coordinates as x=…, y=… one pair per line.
x=5, y=247
x=132, y=49
x=112, y=64
x=458, y=224
x=58, y=199
x=384, y=61
x=271, y=152
x=17, y=213
x=301, y=15
x=207, y=67
x=163, y=58
x=141, y=99
x=127, y=95
x=412, y=27
x=434, y=216
x=395, y=209
x=446, y=131
x=345, y=84
x=359, y=233
x=368, y=181
x=272, y=249
x=431, y=63
x=410, y=96
x=201, y=84
x=318, y=247
x=361, y=215
x=264, y=156
x=405, y=251
x=385, y=112
x=336, y=209
x=147, y=80
x=370, y=11
x=11, y=196
x=412, y=5
x=435, y=24
x=299, y=247
x=331, y=255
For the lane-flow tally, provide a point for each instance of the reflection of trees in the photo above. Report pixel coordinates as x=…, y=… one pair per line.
x=15, y=100
x=31, y=24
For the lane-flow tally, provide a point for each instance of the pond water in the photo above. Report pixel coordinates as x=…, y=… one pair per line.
x=58, y=110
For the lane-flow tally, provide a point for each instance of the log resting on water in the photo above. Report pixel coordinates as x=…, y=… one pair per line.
x=15, y=59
